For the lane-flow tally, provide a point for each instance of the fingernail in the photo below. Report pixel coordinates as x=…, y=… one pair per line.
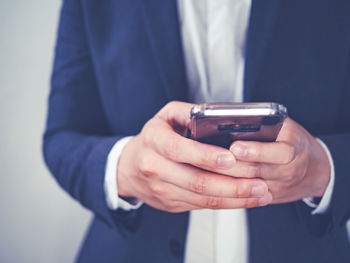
x=239, y=150
x=258, y=191
x=225, y=161
x=265, y=200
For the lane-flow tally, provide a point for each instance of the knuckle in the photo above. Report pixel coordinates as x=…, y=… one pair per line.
x=207, y=159
x=166, y=108
x=169, y=107
x=172, y=149
x=243, y=190
x=214, y=202
x=251, y=202
x=147, y=134
x=171, y=104
x=167, y=207
x=289, y=174
x=253, y=171
x=235, y=190
x=198, y=184
x=143, y=165
x=157, y=189
x=255, y=153
x=245, y=203
x=147, y=167
x=287, y=178
x=175, y=208
x=290, y=154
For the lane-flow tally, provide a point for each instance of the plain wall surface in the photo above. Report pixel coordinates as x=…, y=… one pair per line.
x=38, y=221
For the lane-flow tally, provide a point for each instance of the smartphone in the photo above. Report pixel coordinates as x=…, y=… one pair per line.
x=222, y=123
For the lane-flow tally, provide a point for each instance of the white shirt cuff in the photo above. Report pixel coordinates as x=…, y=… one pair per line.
x=323, y=206
x=110, y=184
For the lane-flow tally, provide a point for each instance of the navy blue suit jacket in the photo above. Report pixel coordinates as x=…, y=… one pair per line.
x=119, y=61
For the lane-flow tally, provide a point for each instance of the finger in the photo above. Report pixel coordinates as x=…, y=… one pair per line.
x=170, y=206
x=212, y=202
x=263, y=152
x=282, y=193
x=207, y=183
x=178, y=207
x=180, y=149
x=183, y=150
x=252, y=170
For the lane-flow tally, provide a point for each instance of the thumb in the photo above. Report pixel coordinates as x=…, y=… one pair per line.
x=176, y=113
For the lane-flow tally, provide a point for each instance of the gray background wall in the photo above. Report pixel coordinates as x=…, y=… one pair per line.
x=38, y=221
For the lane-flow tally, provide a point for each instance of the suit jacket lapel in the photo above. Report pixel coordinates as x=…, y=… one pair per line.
x=262, y=25
x=163, y=30
x=261, y=28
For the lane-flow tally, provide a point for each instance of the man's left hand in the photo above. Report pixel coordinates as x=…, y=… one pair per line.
x=294, y=167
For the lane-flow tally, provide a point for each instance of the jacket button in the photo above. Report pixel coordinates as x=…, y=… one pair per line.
x=175, y=248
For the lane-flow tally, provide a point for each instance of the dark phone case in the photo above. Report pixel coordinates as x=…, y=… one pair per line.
x=255, y=122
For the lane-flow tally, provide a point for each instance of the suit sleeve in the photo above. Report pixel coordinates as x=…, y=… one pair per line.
x=339, y=147
x=77, y=138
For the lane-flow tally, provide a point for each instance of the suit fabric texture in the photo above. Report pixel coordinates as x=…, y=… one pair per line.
x=118, y=62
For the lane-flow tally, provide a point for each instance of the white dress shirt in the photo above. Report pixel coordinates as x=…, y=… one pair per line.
x=213, y=34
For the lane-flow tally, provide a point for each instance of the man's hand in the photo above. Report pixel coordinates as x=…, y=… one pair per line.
x=294, y=167
x=170, y=172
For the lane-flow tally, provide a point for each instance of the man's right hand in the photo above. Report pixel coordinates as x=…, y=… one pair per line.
x=172, y=173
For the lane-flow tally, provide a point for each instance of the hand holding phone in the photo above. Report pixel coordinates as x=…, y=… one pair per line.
x=175, y=174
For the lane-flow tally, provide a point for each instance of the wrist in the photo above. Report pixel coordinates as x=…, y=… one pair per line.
x=123, y=170
x=321, y=169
